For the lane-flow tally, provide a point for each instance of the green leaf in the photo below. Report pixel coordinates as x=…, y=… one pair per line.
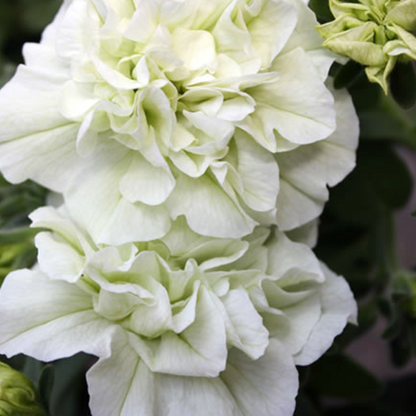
x=340, y=376
x=403, y=84
x=46, y=382
x=322, y=10
x=347, y=74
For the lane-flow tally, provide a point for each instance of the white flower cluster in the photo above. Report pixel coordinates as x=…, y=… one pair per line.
x=187, y=137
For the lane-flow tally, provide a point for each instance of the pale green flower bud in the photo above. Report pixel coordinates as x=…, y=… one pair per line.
x=18, y=396
x=374, y=33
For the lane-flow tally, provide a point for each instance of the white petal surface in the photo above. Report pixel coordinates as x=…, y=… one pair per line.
x=95, y=201
x=48, y=157
x=208, y=209
x=58, y=259
x=199, y=351
x=306, y=172
x=265, y=387
x=29, y=103
x=61, y=321
x=338, y=308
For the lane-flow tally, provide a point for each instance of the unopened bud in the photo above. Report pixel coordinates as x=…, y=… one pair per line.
x=18, y=396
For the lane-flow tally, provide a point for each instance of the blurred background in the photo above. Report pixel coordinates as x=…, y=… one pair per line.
x=367, y=234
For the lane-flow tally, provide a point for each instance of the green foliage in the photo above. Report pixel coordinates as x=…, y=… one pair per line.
x=18, y=396
x=16, y=238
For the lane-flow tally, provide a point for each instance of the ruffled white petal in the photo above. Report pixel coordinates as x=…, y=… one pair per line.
x=338, y=308
x=265, y=387
x=96, y=202
x=49, y=319
x=306, y=172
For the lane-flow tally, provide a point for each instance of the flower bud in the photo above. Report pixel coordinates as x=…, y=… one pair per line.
x=375, y=34
x=18, y=396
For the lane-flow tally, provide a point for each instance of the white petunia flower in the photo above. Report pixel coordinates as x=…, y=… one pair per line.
x=184, y=325
x=143, y=111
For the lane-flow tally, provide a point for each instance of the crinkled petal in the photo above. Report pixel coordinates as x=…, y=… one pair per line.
x=94, y=200
x=244, y=325
x=265, y=387
x=199, y=351
x=338, y=308
x=208, y=209
x=57, y=259
x=49, y=319
x=288, y=257
x=48, y=157
x=306, y=172
x=258, y=171
x=295, y=109
x=146, y=183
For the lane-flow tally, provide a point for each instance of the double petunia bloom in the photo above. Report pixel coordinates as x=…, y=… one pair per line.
x=184, y=325
x=217, y=111
x=193, y=142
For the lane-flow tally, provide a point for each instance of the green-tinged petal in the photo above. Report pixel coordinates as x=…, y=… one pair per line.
x=95, y=201
x=146, y=183
x=42, y=61
x=340, y=8
x=357, y=44
x=259, y=173
x=267, y=386
x=293, y=259
x=295, y=326
x=306, y=234
x=244, y=325
x=58, y=259
x=121, y=384
x=58, y=221
x=341, y=24
x=77, y=31
x=208, y=209
x=297, y=109
x=209, y=253
x=48, y=157
x=49, y=319
x=408, y=39
x=29, y=103
x=338, y=308
x=134, y=388
x=270, y=27
x=306, y=37
x=306, y=172
x=199, y=52
x=403, y=14
x=199, y=351
x=380, y=74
